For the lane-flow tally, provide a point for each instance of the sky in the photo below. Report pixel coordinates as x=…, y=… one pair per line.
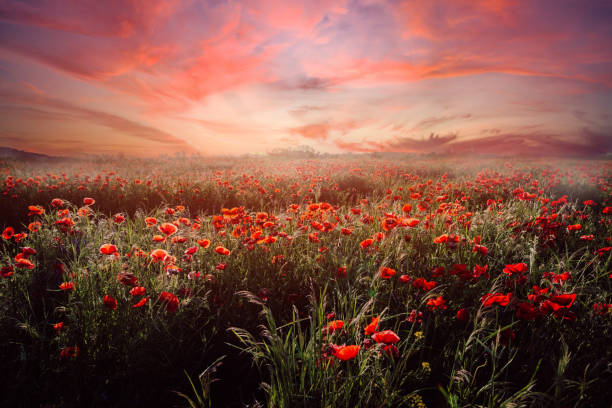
x=150, y=77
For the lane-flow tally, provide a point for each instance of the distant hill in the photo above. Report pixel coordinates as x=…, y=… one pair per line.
x=10, y=153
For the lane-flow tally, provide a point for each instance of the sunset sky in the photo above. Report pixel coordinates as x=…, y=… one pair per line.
x=146, y=77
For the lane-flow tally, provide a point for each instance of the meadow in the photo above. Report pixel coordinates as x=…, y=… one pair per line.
x=350, y=281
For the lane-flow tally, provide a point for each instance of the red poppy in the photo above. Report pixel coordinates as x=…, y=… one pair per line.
x=491, y=299
x=170, y=301
x=6, y=271
x=35, y=210
x=118, y=218
x=481, y=249
x=34, y=226
x=341, y=272
x=436, y=303
x=66, y=286
x=366, y=243
x=159, y=255
x=333, y=326
x=141, y=303
x=110, y=302
x=27, y=251
x=58, y=327
x=137, y=291
x=8, y=233
x=407, y=208
x=89, y=201
x=204, y=243
x=150, y=221
x=371, y=328
x=159, y=238
x=463, y=315
x=386, y=336
x=345, y=353
x=167, y=228
x=387, y=273
x=575, y=227
x=57, y=202
x=69, y=352
x=518, y=268
x=108, y=249
x=424, y=284
x=222, y=250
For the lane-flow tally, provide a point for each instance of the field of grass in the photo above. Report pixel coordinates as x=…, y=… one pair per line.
x=338, y=282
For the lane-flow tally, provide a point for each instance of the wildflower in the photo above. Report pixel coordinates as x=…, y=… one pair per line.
x=222, y=250
x=127, y=279
x=170, y=301
x=58, y=327
x=371, y=327
x=66, y=286
x=69, y=352
x=386, y=336
x=167, y=229
x=436, y=303
x=35, y=210
x=89, y=201
x=204, y=243
x=463, y=315
x=345, y=353
x=141, y=302
x=109, y=249
x=518, y=268
x=8, y=233
x=137, y=291
x=159, y=255
x=387, y=273
x=500, y=299
x=366, y=243
x=341, y=272
x=110, y=302
x=415, y=316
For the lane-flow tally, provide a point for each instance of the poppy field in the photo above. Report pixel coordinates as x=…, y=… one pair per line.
x=348, y=281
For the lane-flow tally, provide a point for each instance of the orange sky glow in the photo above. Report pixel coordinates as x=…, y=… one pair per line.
x=234, y=77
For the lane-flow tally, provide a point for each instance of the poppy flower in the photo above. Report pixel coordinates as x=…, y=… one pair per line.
x=371, y=327
x=346, y=231
x=66, y=286
x=137, y=291
x=35, y=210
x=410, y=222
x=89, y=201
x=575, y=227
x=204, y=243
x=518, y=268
x=386, y=336
x=141, y=303
x=159, y=255
x=69, y=352
x=500, y=299
x=407, y=208
x=222, y=250
x=110, y=302
x=34, y=226
x=480, y=249
x=108, y=249
x=167, y=229
x=118, y=218
x=341, y=272
x=463, y=315
x=170, y=301
x=565, y=300
x=6, y=271
x=57, y=202
x=421, y=283
x=345, y=353
x=27, y=251
x=159, y=238
x=436, y=303
x=387, y=273
x=8, y=233
x=150, y=221
x=333, y=326
x=58, y=327
x=366, y=243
